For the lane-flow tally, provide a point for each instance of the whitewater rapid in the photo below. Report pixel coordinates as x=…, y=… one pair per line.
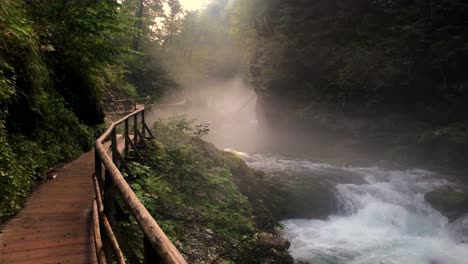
x=383, y=221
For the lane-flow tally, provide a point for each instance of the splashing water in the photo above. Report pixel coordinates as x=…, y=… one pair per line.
x=383, y=221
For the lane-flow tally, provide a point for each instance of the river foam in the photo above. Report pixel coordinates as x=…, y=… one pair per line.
x=383, y=221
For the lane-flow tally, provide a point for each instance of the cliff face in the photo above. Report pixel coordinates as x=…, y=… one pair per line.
x=386, y=67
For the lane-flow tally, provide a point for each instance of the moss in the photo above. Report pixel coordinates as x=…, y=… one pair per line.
x=193, y=195
x=203, y=197
x=449, y=202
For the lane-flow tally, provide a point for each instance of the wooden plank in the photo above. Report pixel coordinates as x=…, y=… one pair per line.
x=49, y=231
x=52, y=255
x=72, y=259
x=101, y=258
x=46, y=252
x=54, y=226
x=26, y=228
x=45, y=242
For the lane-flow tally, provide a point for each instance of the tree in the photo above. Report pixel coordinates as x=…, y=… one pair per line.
x=172, y=22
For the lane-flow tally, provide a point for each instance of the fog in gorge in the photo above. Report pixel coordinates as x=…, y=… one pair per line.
x=383, y=220
x=294, y=96
x=305, y=131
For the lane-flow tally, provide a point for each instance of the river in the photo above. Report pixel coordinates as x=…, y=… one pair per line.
x=383, y=221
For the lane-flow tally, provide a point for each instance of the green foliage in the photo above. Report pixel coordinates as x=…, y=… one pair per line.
x=152, y=30
x=57, y=59
x=148, y=75
x=21, y=66
x=36, y=128
x=187, y=188
x=13, y=186
x=83, y=42
x=114, y=79
x=347, y=67
x=25, y=160
x=363, y=55
x=7, y=88
x=208, y=44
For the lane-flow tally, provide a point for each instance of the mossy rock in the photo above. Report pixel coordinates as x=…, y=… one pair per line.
x=448, y=202
x=285, y=195
x=290, y=195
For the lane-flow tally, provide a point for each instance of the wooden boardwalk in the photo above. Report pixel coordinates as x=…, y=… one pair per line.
x=55, y=224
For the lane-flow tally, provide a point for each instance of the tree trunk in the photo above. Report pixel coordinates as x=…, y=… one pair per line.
x=138, y=26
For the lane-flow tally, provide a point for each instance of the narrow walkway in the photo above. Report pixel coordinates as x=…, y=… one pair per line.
x=55, y=224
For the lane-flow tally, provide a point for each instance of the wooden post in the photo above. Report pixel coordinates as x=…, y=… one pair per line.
x=126, y=139
x=143, y=130
x=101, y=257
x=109, y=194
x=98, y=169
x=109, y=197
x=135, y=130
x=114, y=148
x=149, y=254
x=109, y=212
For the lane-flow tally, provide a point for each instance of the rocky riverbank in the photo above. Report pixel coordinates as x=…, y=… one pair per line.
x=208, y=201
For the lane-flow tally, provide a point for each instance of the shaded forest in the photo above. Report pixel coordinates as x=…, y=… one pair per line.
x=390, y=74
x=59, y=62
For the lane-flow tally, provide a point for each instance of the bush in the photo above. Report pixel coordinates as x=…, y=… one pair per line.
x=192, y=194
x=37, y=129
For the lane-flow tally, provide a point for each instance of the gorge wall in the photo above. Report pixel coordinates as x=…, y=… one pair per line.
x=389, y=72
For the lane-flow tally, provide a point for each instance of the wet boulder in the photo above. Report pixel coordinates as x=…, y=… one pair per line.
x=270, y=247
x=289, y=194
x=292, y=195
x=449, y=202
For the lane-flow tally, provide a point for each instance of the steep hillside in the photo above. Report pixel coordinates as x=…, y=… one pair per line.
x=367, y=69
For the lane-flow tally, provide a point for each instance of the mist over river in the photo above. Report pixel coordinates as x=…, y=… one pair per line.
x=381, y=218
x=383, y=221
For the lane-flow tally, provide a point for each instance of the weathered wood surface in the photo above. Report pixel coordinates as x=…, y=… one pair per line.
x=55, y=225
x=58, y=220
x=158, y=247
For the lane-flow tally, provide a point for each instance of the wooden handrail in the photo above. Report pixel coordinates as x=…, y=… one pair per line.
x=126, y=106
x=160, y=248
x=132, y=100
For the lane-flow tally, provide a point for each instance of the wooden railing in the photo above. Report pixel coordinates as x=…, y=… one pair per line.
x=127, y=106
x=108, y=180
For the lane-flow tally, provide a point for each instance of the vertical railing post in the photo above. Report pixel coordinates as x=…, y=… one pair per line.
x=109, y=183
x=98, y=169
x=135, y=130
x=149, y=254
x=143, y=130
x=109, y=192
x=114, y=146
x=109, y=197
x=109, y=212
x=126, y=139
